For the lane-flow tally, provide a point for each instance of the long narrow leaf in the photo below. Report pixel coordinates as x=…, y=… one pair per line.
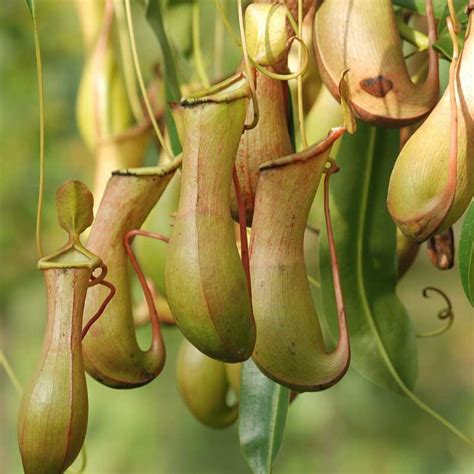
x=418, y=6
x=31, y=7
x=466, y=254
x=155, y=20
x=262, y=419
x=170, y=74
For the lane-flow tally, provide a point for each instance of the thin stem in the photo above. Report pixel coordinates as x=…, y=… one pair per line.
x=101, y=310
x=150, y=301
x=127, y=62
x=244, y=248
x=336, y=278
x=39, y=73
x=250, y=75
x=219, y=41
x=141, y=82
x=445, y=314
x=10, y=372
x=197, y=53
x=304, y=138
x=225, y=20
x=454, y=18
x=293, y=23
x=291, y=75
x=453, y=145
x=101, y=76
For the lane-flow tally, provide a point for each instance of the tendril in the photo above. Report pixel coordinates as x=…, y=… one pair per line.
x=127, y=61
x=451, y=184
x=10, y=372
x=452, y=15
x=446, y=314
x=39, y=74
x=221, y=11
x=219, y=37
x=250, y=74
x=244, y=248
x=102, y=119
x=331, y=167
x=197, y=53
x=303, y=67
x=131, y=34
x=147, y=291
x=99, y=280
x=293, y=75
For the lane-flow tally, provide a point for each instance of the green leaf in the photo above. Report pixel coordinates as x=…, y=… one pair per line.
x=439, y=6
x=444, y=44
x=155, y=20
x=466, y=254
x=365, y=236
x=31, y=7
x=74, y=202
x=171, y=125
x=170, y=74
x=263, y=410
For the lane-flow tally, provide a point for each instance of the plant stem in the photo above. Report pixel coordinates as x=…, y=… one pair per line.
x=141, y=82
x=219, y=41
x=225, y=20
x=197, y=53
x=10, y=372
x=304, y=138
x=127, y=62
x=250, y=75
x=39, y=72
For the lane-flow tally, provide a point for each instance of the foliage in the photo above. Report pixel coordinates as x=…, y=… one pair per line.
x=382, y=312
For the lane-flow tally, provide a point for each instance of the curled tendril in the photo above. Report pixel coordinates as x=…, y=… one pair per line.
x=445, y=314
x=99, y=280
x=293, y=75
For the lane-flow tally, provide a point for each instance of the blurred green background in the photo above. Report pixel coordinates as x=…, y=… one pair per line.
x=354, y=427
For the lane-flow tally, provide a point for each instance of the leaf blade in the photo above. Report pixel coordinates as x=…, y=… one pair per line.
x=31, y=7
x=262, y=419
x=418, y=6
x=466, y=254
x=154, y=18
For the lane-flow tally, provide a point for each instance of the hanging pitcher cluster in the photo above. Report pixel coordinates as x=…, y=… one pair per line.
x=239, y=176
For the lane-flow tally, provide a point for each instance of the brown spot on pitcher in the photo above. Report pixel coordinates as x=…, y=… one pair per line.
x=377, y=86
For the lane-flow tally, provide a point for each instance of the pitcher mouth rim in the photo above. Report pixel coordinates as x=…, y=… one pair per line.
x=234, y=88
x=318, y=149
